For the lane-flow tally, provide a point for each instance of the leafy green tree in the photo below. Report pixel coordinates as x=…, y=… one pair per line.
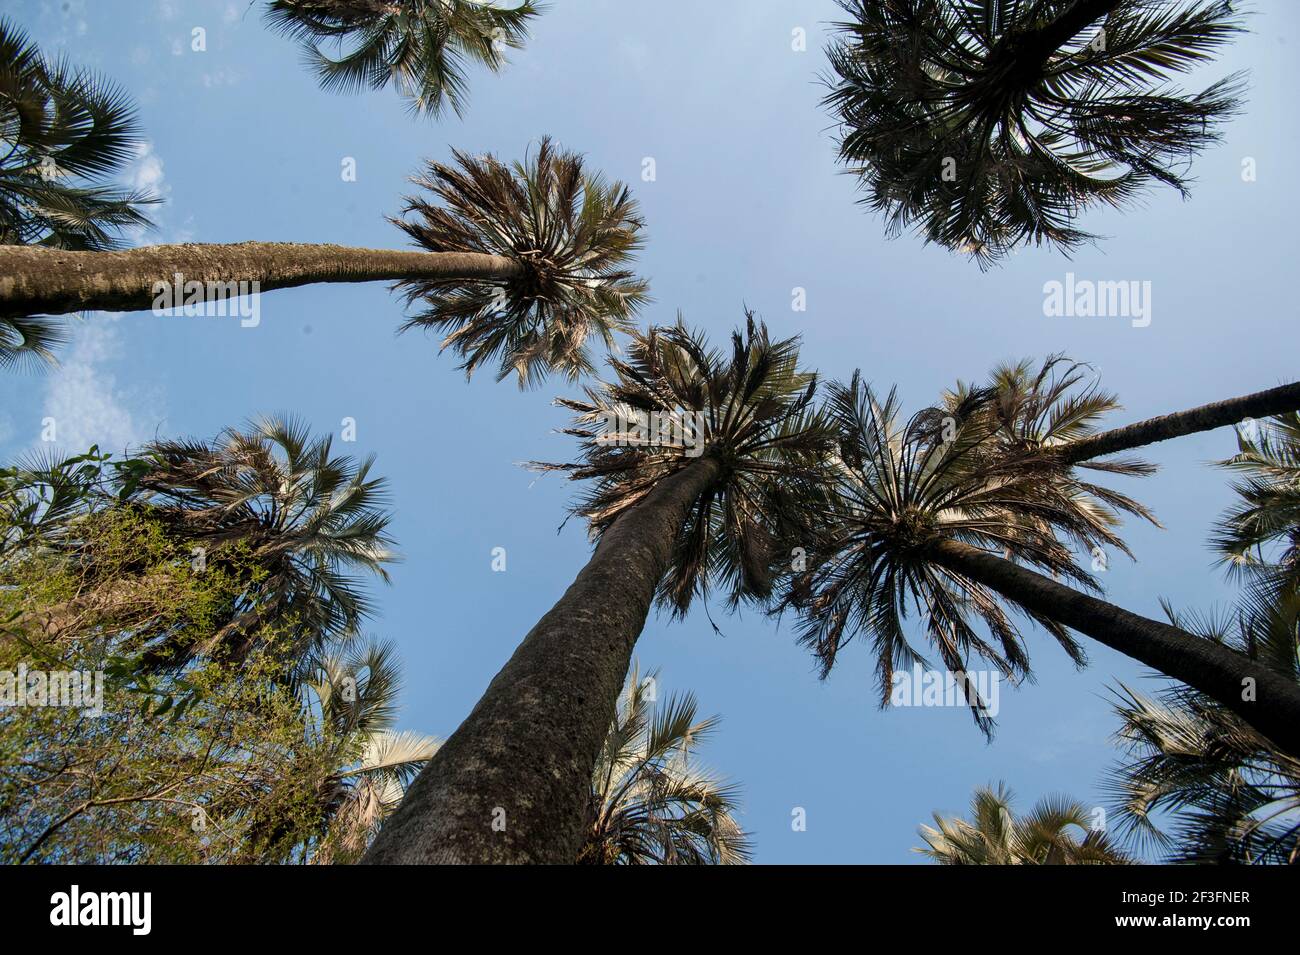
x=148, y=767
x=945, y=513
x=263, y=756
x=671, y=514
x=421, y=47
x=1057, y=832
x=64, y=132
x=274, y=509
x=986, y=125
x=653, y=804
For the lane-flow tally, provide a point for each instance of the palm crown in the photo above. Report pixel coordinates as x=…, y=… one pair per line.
x=307, y=520
x=1260, y=534
x=751, y=408
x=421, y=46
x=572, y=235
x=987, y=124
x=62, y=130
x=962, y=471
x=654, y=804
x=993, y=835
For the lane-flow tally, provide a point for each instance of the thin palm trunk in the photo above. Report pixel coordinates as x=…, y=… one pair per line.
x=513, y=783
x=1217, y=414
x=1272, y=706
x=53, y=281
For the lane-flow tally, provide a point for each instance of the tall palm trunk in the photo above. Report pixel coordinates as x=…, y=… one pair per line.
x=513, y=783
x=1273, y=707
x=1217, y=414
x=35, y=279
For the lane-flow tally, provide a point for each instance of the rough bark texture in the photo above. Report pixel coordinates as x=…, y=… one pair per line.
x=524, y=757
x=1201, y=664
x=52, y=281
x=1217, y=414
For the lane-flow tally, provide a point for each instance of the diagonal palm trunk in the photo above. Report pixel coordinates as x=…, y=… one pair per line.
x=513, y=783
x=1021, y=57
x=1273, y=707
x=36, y=280
x=1217, y=414
x=1054, y=34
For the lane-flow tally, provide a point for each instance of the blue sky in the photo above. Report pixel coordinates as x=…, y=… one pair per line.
x=746, y=205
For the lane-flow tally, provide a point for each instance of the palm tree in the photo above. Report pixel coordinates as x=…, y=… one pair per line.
x=350, y=702
x=289, y=522
x=420, y=46
x=994, y=836
x=653, y=804
x=277, y=504
x=63, y=132
x=522, y=262
x=944, y=515
x=990, y=124
x=1230, y=794
x=697, y=500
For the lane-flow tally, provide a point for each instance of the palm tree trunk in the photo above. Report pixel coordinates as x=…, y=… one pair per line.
x=513, y=783
x=1054, y=35
x=36, y=280
x=1217, y=414
x=1220, y=673
x=1021, y=56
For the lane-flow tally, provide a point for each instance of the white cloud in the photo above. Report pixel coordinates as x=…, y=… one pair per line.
x=84, y=399
x=147, y=174
x=146, y=171
x=220, y=78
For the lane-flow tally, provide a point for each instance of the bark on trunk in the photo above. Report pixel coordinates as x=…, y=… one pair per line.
x=513, y=783
x=52, y=281
x=1215, y=670
x=1217, y=414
